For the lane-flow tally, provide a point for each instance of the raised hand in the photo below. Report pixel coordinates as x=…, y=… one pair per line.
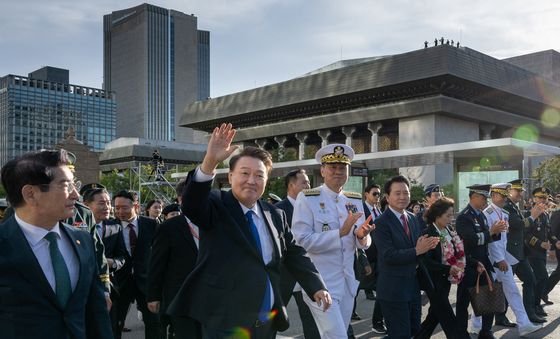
x=219, y=148
x=365, y=228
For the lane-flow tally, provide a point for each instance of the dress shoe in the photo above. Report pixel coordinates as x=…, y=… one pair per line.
x=540, y=311
x=524, y=330
x=356, y=316
x=370, y=295
x=503, y=321
x=536, y=319
x=486, y=335
x=546, y=301
x=379, y=328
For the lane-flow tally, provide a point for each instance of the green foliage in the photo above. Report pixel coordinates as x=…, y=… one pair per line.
x=548, y=173
x=116, y=180
x=276, y=186
x=449, y=191
x=381, y=176
x=417, y=192
x=2, y=191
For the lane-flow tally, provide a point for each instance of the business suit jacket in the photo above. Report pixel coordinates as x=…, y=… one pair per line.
x=288, y=282
x=516, y=231
x=226, y=288
x=113, y=241
x=174, y=254
x=286, y=206
x=28, y=305
x=396, y=257
x=136, y=266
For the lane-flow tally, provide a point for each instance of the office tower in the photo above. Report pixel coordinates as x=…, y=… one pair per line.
x=36, y=111
x=152, y=61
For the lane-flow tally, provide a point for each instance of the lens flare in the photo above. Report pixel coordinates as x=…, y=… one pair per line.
x=485, y=162
x=550, y=118
x=527, y=132
x=239, y=333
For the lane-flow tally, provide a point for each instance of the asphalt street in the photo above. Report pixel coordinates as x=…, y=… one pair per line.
x=362, y=328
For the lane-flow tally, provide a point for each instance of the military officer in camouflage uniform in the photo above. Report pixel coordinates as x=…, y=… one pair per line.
x=538, y=240
x=329, y=223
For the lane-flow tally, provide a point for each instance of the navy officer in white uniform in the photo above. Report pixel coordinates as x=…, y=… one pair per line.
x=329, y=223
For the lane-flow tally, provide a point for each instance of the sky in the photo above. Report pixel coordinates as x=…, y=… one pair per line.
x=254, y=43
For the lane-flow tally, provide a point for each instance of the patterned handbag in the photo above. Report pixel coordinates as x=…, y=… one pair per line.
x=487, y=299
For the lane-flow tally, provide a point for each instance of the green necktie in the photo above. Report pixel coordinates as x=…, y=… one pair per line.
x=61, y=275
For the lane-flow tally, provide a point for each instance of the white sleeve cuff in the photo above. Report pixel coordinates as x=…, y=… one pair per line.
x=480, y=238
x=200, y=176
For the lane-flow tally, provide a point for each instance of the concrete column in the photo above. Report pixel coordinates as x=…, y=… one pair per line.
x=324, y=134
x=280, y=140
x=348, y=131
x=486, y=130
x=260, y=142
x=374, y=128
x=301, y=149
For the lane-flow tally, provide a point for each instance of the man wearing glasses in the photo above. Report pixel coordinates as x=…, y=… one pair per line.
x=48, y=272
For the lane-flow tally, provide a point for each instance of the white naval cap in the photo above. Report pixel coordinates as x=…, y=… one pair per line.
x=501, y=188
x=335, y=154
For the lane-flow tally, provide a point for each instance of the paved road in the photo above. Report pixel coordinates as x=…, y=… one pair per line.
x=362, y=328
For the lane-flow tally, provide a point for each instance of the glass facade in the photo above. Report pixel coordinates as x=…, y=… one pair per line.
x=35, y=114
x=203, y=65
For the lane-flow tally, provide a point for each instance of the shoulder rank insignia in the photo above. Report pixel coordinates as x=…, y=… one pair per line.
x=311, y=192
x=489, y=210
x=353, y=195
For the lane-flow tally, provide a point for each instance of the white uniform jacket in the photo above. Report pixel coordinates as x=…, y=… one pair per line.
x=319, y=213
x=498, y=249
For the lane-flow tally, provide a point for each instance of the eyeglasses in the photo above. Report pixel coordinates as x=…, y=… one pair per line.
x=68, y=186
x=375, y=193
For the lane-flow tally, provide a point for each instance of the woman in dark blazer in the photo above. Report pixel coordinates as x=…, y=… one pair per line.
x=445, y=264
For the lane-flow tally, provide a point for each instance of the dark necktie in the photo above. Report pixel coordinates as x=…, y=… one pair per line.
x=61, y=274
x=405, y=225
x=375, y=212
x=133, y=237
x=265, y=306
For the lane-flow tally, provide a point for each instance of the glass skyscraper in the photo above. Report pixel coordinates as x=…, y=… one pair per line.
x=156, y=62
x=35, y=112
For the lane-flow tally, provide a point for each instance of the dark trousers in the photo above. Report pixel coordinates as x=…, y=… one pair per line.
x=463, y=301
x=402, y=318
x=541, y=275
x=310, y=330
x=128, y=294
x=554, y=277
x=377, y=316
x=440, y=312
x=186, y=328
x=524, y=272
x=263, y=332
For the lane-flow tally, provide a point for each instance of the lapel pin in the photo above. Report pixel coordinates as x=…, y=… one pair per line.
x=78, y=242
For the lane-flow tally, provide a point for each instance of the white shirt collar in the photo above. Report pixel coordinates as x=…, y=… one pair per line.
x=371, y=208
x=397, y=214
x=33, y=233
x=292, y=200
x=134, y=222
x=255, y=209
x=330, y=193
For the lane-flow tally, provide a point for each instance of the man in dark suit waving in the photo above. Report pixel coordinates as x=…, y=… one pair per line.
x=49, y=285
x=398, y=241
x=236, y=283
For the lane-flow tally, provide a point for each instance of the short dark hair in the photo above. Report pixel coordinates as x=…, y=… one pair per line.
x=150, y=203
x=252, y=152
x=127, y=194
x=370, y=187
x=398, y=178
x=34, y=168
x=438, y=208
x=292, y=176
x=89, y=195
x=180, y=188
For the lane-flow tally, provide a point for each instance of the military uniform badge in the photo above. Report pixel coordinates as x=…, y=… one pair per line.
x=326, y=227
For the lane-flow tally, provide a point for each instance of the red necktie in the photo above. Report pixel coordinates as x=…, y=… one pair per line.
x=405, y=225
x=132, y=237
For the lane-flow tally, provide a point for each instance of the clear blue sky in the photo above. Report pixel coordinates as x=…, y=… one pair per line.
x=259, y=42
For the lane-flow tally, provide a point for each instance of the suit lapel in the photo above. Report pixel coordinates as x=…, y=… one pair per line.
x=272, y=229
x=400, y=228
x=25, y=261
x=243, y=233
x=77, y=246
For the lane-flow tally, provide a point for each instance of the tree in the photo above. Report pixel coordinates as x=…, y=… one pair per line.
x=2, y=191
x=548, y=173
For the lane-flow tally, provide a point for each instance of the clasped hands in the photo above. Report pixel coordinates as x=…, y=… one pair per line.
x=362, y=231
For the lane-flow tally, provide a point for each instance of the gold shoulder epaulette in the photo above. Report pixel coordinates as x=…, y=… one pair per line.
x=104, y=278
x=311, y=192
x=533, y=241
x=352, y=195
